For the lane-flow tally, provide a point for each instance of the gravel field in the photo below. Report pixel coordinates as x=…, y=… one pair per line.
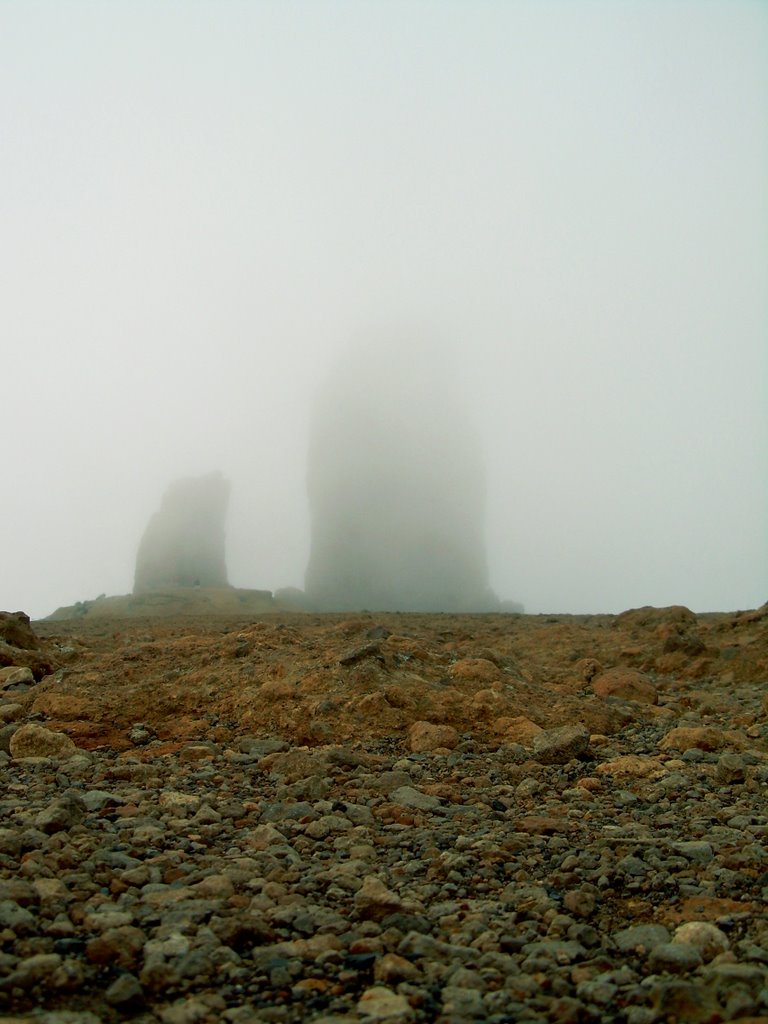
x=438, y=873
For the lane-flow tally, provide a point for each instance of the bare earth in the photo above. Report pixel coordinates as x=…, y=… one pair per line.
x=381, y=817
x=310, y=678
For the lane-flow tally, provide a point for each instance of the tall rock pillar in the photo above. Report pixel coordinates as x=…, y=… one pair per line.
x=183, y=544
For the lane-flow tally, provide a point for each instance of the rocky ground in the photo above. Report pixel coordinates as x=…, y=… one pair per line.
x=385, y=818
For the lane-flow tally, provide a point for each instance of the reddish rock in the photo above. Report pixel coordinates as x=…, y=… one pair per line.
x=391, y=969
x=64, y=706
x=631, y=766
x=477, y=670
x=627, y=684
x=425, y=736
x=651, y=616
x=518, y=730
x=706, y=908
x=133, y=676
x=685, y=737
x=676, y=637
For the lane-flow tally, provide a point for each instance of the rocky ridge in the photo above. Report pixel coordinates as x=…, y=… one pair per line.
x=387, y=818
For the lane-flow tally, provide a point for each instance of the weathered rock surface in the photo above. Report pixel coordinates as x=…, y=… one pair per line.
x=21, y=652
x=627, y=684
x=32, y=740
x=183, y=544
x=16, y=631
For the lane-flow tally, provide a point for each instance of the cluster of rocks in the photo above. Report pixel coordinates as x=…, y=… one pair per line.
x=584, y=878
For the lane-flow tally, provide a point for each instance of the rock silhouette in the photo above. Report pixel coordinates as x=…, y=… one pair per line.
x=396, y=491
x=183, y=544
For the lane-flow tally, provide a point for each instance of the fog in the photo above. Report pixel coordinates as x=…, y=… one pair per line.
x=204, y=207
x=396, y=484
x=184, y=544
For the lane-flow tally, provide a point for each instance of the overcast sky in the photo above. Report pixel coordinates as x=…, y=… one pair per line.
x=201, y=203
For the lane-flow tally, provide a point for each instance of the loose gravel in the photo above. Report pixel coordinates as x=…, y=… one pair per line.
x=263, y=882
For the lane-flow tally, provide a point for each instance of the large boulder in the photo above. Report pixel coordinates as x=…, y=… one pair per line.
x=396, y=489
x=183, y=544
x=20, y=648
x=16, y=630
x=32, y=740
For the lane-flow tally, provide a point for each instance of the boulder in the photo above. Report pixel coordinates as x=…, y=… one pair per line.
x=16, y=630
x=627, y=684
x=518, y=729
x=12, y=676
x=559, y=746
x=32, y=740
x=426, y=736
x=684, y=737
x=20, y=648
x=675, y=614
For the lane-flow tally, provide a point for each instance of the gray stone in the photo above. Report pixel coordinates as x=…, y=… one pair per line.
x=674, y=958
x=640, y=938
x=124, y=991
x=17, y=918
x=6, y=731
x=407, y=796
x=61, y=814
x=730, y=770
x=559, y=746
x=11, y=712
x=698, y=851
x=95, y=799
x=261, y=747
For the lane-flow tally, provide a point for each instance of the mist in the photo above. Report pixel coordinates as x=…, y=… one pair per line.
x=205, y=207
x=396, y=485
x=184, y=544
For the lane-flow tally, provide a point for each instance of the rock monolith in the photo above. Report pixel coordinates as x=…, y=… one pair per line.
x=396, y=490
x=183, y=544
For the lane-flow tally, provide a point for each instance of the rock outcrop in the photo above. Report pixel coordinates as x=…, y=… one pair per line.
x=16, y=630
x=183, y=544
x=20, y=649
x=396, y=491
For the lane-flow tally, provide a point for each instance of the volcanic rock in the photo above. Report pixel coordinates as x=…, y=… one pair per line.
x=15, y=630
x=428, y=736
x=12, y=676
x=20, y=648
x=32, y=740
x=360, y=879
x=627, y=684
x=558, y=746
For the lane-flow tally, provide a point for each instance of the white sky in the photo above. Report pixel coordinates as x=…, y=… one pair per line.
x=201, y=202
